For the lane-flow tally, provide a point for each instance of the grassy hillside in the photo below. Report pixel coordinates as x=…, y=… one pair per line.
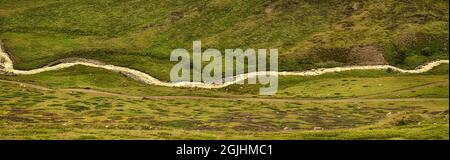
x=90, y=103
x=309, y=34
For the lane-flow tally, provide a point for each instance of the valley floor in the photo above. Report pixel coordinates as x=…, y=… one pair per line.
x=406, y=106
x=101, y=69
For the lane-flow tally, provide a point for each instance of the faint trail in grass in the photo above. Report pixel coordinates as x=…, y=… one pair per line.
x=228, y=98
x=403, y=90
x=26, y=85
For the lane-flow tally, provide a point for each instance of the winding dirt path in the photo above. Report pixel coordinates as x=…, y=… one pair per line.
x=7, y=67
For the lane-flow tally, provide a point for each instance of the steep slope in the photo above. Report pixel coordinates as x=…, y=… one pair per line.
x=309, y=34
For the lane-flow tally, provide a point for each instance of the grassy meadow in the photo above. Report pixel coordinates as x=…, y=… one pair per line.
x=35, y=114
x=89, y=103
x=366, y=110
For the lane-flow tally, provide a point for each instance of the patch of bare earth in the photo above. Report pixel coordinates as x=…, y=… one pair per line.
x=368, y=55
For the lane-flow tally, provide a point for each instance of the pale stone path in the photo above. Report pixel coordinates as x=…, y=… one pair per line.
x=7, y=67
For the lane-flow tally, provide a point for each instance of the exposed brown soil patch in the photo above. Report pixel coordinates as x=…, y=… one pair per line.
x=368, y=55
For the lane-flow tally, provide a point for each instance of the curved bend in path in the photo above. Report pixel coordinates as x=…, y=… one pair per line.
x=234, y=98
x=7, y=66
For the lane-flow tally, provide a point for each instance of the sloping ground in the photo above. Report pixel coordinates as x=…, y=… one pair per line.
x=368, y=98
x=41, y=113
x=36, y=112
x=309, y=34
x=139, y=35
x=7, y=67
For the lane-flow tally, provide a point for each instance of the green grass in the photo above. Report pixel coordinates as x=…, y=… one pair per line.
x=308, y=34
x=27, y=113
x=141, y=34
x=438, y=90
x=432, y=132
x=332, y=85
x=35, y=114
